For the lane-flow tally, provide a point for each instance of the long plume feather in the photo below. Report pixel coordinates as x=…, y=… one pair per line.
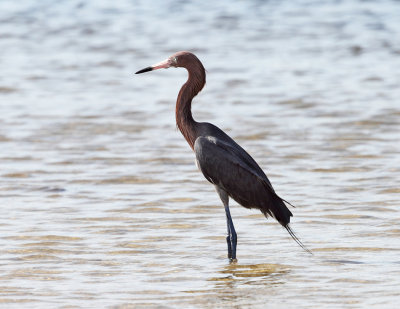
x=296, y=239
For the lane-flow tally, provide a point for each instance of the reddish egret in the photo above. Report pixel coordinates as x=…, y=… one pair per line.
x=225, y=164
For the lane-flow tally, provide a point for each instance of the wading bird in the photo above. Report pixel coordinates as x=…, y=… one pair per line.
x=225, y=164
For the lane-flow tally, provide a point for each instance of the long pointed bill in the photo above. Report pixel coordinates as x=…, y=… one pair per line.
x=161, y=65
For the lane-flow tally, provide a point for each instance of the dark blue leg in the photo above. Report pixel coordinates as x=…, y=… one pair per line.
x=232, y=236
x=228, y=241
x=231, y=239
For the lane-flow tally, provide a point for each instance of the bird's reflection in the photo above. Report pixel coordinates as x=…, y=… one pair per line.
x=237, y=284
x=236, y=274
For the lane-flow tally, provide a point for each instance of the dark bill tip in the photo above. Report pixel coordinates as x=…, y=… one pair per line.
x=144, y=70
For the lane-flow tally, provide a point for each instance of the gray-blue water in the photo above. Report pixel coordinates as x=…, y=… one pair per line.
x=101, y=202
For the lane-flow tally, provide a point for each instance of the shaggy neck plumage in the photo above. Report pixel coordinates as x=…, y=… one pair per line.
x=183, y=111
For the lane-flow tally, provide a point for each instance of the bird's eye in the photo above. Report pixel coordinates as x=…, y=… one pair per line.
x=175, y=59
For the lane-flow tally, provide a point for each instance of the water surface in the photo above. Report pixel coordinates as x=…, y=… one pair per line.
x=102, y=205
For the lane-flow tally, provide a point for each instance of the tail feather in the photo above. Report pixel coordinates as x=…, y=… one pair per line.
x=287, y=202
x=276, y=207
x=296, y=239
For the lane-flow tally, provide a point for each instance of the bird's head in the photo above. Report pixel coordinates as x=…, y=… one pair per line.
x=179, y=59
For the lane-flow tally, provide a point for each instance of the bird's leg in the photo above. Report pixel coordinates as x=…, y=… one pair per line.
x=232, y=236
x=231, y=239
x=228, y=240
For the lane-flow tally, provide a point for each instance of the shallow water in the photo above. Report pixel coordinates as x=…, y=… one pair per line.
x=102, y=205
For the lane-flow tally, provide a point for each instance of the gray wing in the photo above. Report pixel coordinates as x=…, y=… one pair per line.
x=229, y=167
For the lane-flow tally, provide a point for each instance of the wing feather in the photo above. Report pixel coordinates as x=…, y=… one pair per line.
x=234, y=171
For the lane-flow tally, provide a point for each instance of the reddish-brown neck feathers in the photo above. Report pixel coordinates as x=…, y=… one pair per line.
x=194, y=84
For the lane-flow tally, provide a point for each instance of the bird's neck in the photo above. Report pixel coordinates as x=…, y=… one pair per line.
x=183, y=112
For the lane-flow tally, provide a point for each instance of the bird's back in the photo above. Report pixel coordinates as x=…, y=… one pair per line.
x=226, y=164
